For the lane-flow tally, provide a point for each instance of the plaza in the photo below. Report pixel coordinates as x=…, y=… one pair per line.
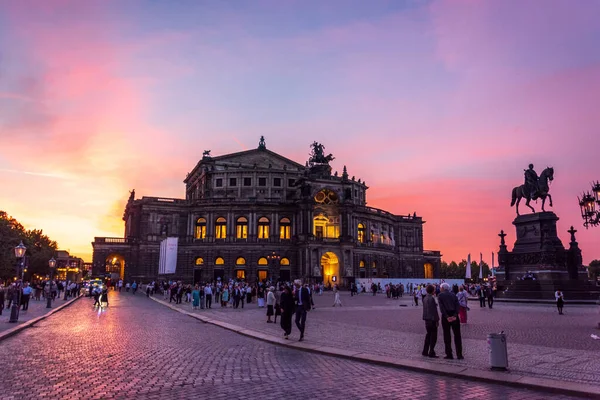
x=139, y=348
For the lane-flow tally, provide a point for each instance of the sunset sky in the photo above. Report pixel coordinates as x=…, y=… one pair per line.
x=438, y=105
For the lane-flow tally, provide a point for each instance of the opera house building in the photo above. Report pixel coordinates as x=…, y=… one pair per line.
x=258, y=215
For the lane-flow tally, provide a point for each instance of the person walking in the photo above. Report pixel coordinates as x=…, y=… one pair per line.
x=432, y=321
x=277, y=294
x=287, y=310
x=449, y=309
x=462, y=297
x=208, y=295
x=302, y=299
x=336, y=293
x=270, y=304
x=416, y=294
x=490, y=295
x=26, y=295
x=481, y=294
x=195, y=298
x=560, y=301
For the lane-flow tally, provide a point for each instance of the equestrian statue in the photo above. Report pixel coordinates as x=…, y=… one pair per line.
x=534, y=188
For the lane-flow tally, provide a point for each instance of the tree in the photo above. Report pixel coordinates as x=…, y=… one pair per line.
x=40, y=248
x=451, y=271
x=594, y=270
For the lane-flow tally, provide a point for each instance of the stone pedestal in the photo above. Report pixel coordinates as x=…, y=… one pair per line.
x=538, y=249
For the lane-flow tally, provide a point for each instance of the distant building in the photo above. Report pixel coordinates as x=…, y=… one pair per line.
x=257, y=215
x=68, y=267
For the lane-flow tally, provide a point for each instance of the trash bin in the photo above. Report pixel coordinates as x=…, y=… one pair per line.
x=498, y=351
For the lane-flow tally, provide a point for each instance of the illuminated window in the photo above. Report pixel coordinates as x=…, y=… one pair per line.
x=325, y=227
x=361, y=233
x=285, y=228
x=284, y=261
x=219, y=261
x=201, y=228
x=241, y=228
x=373, y=265
x=263, y=261
x=240, y=274
x=221, y=228
x=372, y=236
x=263, y=228
x=240, y=261
x=361, y=264
x=199, y=261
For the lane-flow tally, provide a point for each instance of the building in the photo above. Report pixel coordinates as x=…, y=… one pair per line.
x=68, y=267
x=257, y=215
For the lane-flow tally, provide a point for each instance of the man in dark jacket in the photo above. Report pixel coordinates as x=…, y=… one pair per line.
x=432, y=321
x=303, y=305
x=449, y=310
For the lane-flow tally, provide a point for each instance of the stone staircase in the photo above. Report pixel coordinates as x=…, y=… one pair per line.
x=544, y=290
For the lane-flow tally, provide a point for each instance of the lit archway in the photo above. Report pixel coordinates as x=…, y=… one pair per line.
x=115, y=266
x=331, y=268
x=428, y=270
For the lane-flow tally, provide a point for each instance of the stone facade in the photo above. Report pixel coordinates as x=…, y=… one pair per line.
x=256, y=214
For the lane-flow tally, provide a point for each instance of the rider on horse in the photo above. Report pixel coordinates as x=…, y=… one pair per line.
x=531, y=182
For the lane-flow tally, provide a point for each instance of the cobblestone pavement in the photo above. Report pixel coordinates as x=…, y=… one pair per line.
x=139, y=349
x=36, y=309
x=540, y=342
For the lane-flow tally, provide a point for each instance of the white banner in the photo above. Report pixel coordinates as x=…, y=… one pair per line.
x=168, y=256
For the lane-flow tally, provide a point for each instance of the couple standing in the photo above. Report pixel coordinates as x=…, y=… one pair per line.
x=449, y=308
x=298, y=302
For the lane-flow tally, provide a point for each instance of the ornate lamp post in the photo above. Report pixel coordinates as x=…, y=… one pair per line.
x=16, y=305
x=587, y=203
x=52, y=265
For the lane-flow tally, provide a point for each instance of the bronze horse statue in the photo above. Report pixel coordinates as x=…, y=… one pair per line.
x=543, y=187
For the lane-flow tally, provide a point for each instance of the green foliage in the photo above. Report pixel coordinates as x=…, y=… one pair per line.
x=594, y=269
x=39, y=247
x=457, y=271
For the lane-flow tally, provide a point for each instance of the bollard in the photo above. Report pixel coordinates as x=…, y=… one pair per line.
x=498, y=351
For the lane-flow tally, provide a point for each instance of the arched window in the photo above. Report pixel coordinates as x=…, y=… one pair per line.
x=219, y=261
x=285, y=228
x=374, y=265
x=361, y=264
x=199, y=261
x=200, y=228
x=241, y=228
x=372, y=236
x=240, y=261
x=263, y=228
x=221, y=228
x=284, y=262
x=361, y=233
x=263, y=261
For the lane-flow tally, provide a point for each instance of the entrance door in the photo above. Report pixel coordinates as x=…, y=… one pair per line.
x=218, y=273
x=331, y=268
x=284, y=275
x=197, y=275
x=262, y=275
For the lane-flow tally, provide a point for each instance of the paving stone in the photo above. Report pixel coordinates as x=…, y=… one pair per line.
x=139, y=349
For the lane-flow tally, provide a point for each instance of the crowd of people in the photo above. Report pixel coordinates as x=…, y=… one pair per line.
x=21, y=293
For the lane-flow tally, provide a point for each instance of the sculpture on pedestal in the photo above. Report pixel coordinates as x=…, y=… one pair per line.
x=534, y=188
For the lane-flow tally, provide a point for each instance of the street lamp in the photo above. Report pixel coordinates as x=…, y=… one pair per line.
x=587, y=203
x=51, y=264
x=16, y=305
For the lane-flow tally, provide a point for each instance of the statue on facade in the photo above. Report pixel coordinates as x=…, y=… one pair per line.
x=206, y=154
x=262, y=145
x=534, y=188
x=317, y=155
